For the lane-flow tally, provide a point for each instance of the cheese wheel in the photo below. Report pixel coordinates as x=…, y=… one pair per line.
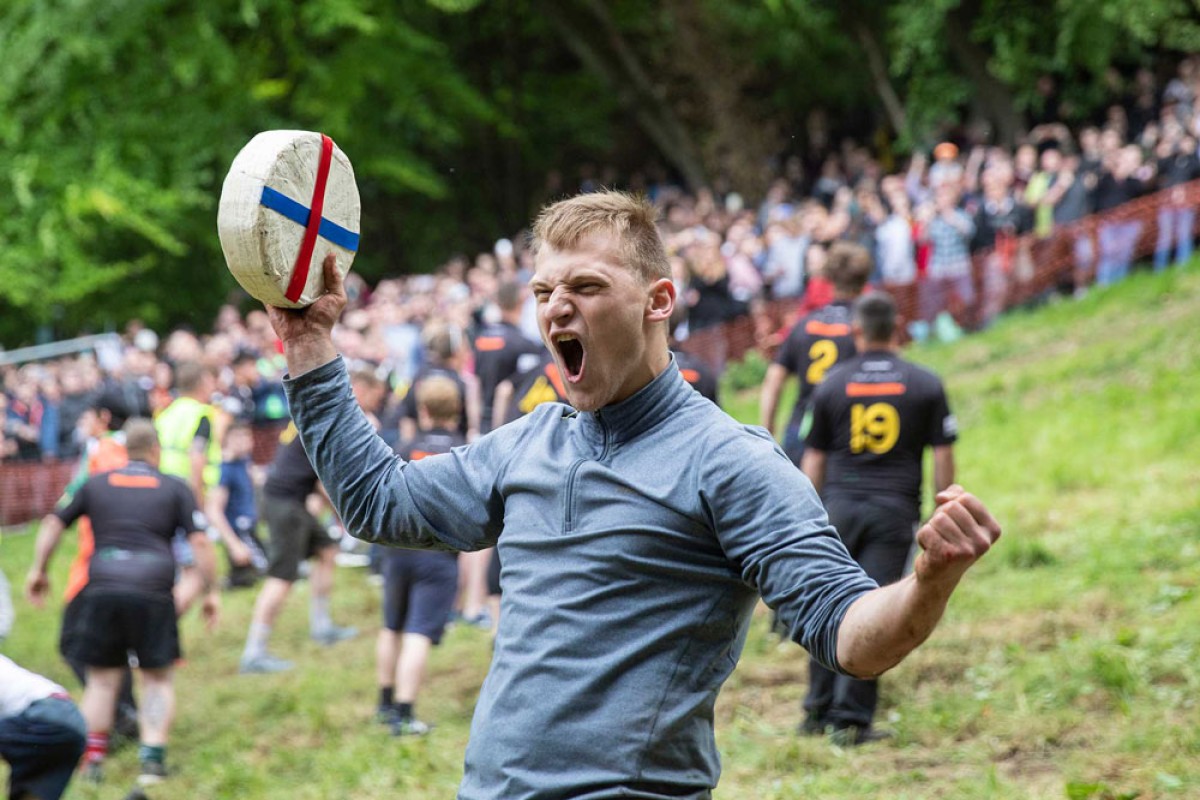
x=274, y=245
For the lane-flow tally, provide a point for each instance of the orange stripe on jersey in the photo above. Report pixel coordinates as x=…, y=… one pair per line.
x=80, y=572
x=488, y=344
x=690, y=375
x=874, y=389
x=132, y=481
x=108, y=455
x=417, y=455
x=818, y=328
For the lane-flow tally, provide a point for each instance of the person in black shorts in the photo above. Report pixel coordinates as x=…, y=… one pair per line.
x=127, y=605
x=445, y=348
x=296, y=535
x=419, y=587
x=815, y=344
x=871, y=421
x=499, y=348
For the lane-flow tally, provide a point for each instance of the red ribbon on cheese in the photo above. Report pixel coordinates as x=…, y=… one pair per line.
x=304, y=258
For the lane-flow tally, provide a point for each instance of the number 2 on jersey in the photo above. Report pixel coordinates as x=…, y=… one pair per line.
x=875, y=427
x=823, y=355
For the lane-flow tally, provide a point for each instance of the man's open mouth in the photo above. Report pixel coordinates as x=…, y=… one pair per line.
x=571, y=355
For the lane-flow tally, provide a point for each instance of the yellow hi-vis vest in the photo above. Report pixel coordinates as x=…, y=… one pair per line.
x=176, y=427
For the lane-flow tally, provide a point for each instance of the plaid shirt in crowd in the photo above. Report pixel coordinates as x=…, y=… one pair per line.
x=949, y=241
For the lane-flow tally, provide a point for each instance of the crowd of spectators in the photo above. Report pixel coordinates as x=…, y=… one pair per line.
x=963, y=228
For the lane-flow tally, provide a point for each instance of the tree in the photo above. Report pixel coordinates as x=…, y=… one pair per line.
x=119, y=120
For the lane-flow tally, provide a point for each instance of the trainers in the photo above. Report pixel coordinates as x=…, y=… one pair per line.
x=152, y=772
x=853, y=735
x=124, y=731
x=410, y=727
x=92, y=772
x=264, y=664
x=811, y=726
x=334, y=634
x=387, y=715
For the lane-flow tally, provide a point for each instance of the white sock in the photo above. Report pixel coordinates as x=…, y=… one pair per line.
x=318, y=615
x=256, y=641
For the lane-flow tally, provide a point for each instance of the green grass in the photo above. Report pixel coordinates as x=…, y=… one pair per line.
x=1066, y=666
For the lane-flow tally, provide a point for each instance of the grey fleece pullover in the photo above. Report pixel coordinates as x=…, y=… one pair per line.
x=634, y=541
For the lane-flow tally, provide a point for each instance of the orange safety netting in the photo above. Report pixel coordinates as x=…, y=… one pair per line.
x=29, y=490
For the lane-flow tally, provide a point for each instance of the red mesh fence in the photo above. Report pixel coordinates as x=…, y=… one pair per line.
x=29, y=489
x=1009, y=275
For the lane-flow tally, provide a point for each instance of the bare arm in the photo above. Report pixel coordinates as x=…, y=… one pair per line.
x=37, y=584
x=813, y=467
x=215, y=502
x=500, y=401
x=198, y=461
x=474, y=406
x=768, y=400
x=885, y=625
x=206, y=559
x=206, y=562
x=943, y=468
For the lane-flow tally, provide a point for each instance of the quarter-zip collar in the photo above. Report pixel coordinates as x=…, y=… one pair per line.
x=647, y=407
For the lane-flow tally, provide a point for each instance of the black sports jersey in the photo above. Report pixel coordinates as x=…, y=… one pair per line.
x=874, y=416
x=291, y=475
x=813, y=346
x=431, y=443
x=408, y=406
x=134, y=511
x=498, y=348
x=698, y=374
x=531, y=388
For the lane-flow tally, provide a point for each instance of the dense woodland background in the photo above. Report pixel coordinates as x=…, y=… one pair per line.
x=118, y=119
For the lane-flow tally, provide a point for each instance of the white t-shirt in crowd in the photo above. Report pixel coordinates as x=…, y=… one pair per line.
x=897, y=251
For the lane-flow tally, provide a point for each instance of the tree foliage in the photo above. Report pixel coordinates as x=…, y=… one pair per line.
x=119, y=119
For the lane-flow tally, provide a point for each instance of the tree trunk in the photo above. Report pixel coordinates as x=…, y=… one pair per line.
x=896, y=113
x=994, y=97
x=739, y=139
x=588, y=31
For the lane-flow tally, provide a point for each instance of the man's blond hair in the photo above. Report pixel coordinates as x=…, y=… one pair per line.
x=570, y=224
x=439, y=397
x=848, y=267
x=140, y=438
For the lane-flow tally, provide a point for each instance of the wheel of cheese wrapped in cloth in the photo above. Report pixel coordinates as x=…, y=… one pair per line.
x=288, y=200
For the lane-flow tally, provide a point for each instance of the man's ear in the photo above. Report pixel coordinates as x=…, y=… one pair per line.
x=860, y=341
x=661, y=301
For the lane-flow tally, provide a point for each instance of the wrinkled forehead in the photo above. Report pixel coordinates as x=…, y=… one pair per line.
x=599, y=254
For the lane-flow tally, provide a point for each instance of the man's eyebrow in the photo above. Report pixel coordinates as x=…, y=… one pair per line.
x=584, y=276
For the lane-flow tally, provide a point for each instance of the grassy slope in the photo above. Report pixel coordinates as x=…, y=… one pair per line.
x=1067, y=664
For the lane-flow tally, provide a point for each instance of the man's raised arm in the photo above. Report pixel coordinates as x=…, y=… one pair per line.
x=444, y=503
x=885, y=625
